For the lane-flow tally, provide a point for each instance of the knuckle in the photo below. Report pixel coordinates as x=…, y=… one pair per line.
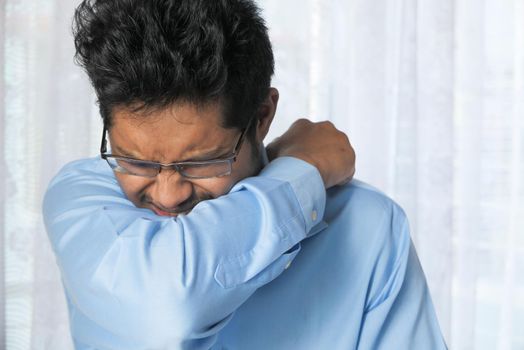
x=302, y=121
x=300, y=124
x=327, y=123
x=345, y=138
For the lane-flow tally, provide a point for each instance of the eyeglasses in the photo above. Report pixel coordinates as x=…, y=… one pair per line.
x=191, y=169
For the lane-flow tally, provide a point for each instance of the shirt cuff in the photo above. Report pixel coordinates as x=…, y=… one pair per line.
x=307, y=184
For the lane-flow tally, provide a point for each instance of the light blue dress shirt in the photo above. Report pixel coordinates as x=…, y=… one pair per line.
x=277, y=263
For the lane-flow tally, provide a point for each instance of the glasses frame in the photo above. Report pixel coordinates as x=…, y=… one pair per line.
x=177, y=166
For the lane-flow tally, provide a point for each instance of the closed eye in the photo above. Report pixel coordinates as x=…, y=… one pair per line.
x=137, y=163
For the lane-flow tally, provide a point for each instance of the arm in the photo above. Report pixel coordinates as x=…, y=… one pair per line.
x=137, y=280
x=399, y=313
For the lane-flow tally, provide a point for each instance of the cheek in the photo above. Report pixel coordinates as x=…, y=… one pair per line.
x=248, y=162
x=246, y=165
x=214, y=187
x=132, y=186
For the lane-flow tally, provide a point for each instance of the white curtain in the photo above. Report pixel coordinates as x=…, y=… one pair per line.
x=431, y=93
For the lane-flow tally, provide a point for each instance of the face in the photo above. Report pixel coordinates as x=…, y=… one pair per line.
x=180, y=132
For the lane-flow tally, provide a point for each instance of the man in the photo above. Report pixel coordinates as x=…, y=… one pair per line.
x=187, y=235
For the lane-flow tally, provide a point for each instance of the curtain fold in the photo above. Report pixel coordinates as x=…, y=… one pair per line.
x=430, y=93
x=2, y=176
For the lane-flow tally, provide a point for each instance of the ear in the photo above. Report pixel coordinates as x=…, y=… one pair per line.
x=266, y=112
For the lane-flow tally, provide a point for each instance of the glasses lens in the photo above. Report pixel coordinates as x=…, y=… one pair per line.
x=205, y=170
x=134, y=167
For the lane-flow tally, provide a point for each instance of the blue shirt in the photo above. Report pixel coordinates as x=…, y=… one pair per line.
x=277, y=263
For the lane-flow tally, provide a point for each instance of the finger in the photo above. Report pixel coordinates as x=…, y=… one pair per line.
x=348, y=179
x=271, y=151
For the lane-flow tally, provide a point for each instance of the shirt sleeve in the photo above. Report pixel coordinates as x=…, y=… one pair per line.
x=399, y=312
x=135, y=280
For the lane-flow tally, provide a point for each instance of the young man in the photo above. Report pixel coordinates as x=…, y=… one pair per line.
x=174, y=238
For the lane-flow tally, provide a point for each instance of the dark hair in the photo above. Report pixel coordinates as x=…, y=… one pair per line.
x=148, y=54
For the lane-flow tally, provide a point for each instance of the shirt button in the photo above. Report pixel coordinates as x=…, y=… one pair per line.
x=314, y=215
x=288, y=265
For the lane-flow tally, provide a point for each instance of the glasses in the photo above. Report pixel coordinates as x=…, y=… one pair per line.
x=191, y=169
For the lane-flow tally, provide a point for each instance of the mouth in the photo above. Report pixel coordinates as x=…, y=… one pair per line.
x=162, y=213
x=182, y=209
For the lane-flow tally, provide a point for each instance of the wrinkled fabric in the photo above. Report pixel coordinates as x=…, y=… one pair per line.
x=356, y=285
x=135, y=280
x=278, y=263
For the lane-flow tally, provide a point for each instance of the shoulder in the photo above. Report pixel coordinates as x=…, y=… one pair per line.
x=374, y=231
x=362, y=207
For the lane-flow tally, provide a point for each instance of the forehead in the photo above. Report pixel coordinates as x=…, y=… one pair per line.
x=177, y=132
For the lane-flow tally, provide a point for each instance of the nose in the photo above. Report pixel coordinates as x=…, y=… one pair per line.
x=170, y=190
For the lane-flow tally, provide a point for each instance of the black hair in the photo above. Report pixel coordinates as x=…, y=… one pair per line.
x=149, y=54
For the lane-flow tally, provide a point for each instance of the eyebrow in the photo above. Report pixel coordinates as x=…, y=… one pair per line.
x=208, y=155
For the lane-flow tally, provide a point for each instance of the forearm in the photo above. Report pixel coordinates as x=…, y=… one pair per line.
x=184, y=275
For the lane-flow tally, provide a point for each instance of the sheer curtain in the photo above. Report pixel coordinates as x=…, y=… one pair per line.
x=431, y=93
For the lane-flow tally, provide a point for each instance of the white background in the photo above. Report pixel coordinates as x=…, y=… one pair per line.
x=430, y=92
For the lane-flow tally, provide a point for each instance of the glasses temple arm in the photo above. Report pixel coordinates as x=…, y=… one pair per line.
x=103, y=145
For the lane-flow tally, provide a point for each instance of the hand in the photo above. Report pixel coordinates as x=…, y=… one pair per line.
x=319, y=144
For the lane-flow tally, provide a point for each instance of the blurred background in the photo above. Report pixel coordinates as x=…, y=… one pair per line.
x=430, y=92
